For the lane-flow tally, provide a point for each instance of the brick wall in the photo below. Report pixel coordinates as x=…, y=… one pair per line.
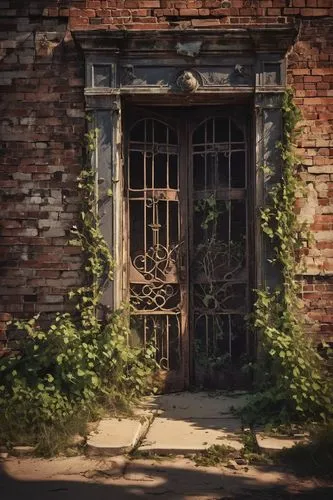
x=310, y=72
x=42, y=125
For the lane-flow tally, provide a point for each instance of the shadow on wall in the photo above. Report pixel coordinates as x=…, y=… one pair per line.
x=41, y=24
x=36, y=7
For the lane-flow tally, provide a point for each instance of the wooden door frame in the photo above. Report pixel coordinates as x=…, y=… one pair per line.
x=185, y=123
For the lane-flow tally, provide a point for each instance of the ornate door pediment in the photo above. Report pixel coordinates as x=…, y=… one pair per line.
x=202, y=61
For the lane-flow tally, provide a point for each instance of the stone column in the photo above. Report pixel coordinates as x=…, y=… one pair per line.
x=268, y=135
x=106, y=116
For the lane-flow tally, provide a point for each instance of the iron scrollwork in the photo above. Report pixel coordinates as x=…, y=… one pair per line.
x=158, y=262
x=153, y=296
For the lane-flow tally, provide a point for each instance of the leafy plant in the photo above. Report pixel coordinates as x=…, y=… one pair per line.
x=214, y=455
x=251, y=451
x=210, y=211
x=293, y=381
x=213, y=360
x=216, y=261
x=83, y=361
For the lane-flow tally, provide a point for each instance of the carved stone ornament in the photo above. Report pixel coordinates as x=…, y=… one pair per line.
x=128, y=75
x=187, y=81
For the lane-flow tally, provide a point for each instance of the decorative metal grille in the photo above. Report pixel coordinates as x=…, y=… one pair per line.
x=154, y=230
x=211, y=212
x=219, y=271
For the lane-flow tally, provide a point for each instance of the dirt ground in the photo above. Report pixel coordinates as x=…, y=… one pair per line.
x=171, y=478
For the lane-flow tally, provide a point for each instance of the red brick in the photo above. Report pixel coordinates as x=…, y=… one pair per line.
x=147, y=3
x=322, y=71
x=290, y=11
x=88, y=13
x=314, y=12
x=4, y=317
x=202, y=23
x=188, y=12
x=312, y=78
x=53, y=12
x=301, y=71
x=79, y=22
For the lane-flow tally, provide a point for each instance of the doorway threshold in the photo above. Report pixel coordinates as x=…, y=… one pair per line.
x=190, y=422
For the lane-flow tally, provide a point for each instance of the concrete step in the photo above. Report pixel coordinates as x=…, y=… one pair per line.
x=190, y=422
x=181, y=437
x=271, y=444
x=116, y=436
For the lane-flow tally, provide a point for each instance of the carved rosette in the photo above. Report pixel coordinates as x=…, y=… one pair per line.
x=187, y=81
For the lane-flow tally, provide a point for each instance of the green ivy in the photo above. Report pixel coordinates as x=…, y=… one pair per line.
x=82, y=361
x=293, y=379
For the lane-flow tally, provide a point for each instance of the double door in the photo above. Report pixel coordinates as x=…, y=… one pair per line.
x=187, y=259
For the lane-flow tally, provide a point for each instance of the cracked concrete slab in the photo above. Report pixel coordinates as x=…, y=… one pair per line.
x=186, y=422
x=190, y=422
x=185, y=436
x=115, y=436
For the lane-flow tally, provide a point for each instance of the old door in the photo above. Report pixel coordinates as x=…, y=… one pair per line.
x=187, y=226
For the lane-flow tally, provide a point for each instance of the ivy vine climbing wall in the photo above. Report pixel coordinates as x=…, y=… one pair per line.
x=294, y=382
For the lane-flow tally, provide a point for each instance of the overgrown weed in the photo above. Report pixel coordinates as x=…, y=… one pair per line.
x=214, y=455
x=314, y=458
